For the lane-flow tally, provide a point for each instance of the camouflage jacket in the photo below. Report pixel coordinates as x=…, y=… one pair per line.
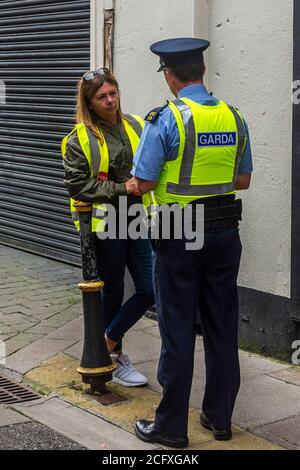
x=78, y=180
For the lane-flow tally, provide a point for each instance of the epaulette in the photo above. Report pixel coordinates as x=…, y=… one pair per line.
x=153, y=115
x=209, y=103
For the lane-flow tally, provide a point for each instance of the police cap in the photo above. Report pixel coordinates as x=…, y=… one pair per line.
x=179, y=51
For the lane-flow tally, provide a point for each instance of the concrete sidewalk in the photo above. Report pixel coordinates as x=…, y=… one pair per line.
x=41, y=327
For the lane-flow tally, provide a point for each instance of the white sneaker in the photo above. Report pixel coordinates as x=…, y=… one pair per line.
x=125, y=373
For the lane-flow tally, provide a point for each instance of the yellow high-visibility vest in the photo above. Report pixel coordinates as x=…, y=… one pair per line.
x=97, y=155
x=211, y=143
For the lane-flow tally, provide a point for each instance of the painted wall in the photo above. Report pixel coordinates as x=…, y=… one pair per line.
x=249, y=65
x=139, y=23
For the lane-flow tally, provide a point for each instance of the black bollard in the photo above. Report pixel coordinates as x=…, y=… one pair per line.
x=96, y=366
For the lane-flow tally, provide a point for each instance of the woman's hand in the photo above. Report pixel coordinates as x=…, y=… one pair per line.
x=131, y=187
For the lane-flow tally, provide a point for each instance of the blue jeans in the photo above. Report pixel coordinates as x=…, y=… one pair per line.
x=114, y=256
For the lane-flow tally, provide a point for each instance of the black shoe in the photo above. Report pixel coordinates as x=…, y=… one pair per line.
x=146, y=431
x=219, y=434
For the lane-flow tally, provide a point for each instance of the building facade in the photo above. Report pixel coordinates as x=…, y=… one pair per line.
x=252, y=63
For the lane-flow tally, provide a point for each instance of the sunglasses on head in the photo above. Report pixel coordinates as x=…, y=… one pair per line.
x=103, y=72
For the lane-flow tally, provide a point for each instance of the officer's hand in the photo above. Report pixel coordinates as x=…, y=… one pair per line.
x=136, y=192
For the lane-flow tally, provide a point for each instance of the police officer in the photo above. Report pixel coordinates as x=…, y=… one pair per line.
x=195, y=150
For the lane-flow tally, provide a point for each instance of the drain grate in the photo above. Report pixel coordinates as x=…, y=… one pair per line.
x=12, y=392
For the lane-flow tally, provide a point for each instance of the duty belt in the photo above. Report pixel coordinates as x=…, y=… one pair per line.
x=229, y=211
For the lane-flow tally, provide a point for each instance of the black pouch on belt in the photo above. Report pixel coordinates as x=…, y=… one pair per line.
x=229, y=211
x=223, y=217
x=221, y=213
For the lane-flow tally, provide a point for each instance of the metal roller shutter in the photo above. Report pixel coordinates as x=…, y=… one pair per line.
x=44, y=49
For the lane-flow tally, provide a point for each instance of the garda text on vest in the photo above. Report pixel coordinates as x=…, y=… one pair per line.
x=213, y=139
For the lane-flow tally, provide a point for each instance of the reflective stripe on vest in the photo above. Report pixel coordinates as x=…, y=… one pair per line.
x=134, y=126
x=177, y=181
x=136, y=122
x=97, y=156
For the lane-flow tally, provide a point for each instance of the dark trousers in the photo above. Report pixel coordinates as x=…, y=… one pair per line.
x=184, y=280
x=114, y=256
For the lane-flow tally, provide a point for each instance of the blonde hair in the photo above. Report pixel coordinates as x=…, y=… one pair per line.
x=85, y=92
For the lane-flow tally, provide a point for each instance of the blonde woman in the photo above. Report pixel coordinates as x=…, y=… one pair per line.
x=101, y=176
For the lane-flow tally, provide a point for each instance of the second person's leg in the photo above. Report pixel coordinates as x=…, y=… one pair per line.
x=140, y=267
x=112, y=261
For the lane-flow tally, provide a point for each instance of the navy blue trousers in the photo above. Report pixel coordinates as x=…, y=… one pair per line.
x=183, y=281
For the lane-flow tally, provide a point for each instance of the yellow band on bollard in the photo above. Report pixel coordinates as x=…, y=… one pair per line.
x=91, y=286
x=82, y=206
x=96, y=371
